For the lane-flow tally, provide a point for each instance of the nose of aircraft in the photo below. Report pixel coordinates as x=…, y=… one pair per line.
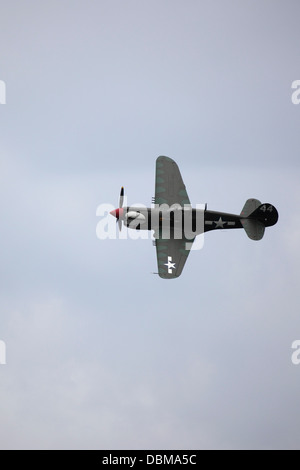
x=117, y=213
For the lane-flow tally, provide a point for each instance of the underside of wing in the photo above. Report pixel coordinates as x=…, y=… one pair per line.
x=171, y=256
x=169, y=186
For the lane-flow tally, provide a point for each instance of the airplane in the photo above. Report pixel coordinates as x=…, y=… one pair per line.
x=176, y=224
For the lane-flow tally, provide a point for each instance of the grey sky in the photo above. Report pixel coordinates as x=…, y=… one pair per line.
x=100, y=353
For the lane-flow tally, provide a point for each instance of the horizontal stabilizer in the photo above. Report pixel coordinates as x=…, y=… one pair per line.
x=254, y=229
x=250, y=206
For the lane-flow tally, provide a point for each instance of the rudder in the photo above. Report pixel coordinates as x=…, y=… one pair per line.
x=266, y=214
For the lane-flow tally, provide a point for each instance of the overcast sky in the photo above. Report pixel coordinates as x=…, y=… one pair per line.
x=100, y=352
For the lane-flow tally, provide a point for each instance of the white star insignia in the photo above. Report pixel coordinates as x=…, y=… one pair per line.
x=170, y=265
x=220, y=223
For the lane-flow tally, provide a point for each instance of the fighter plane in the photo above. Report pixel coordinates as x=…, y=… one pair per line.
x=176, y=224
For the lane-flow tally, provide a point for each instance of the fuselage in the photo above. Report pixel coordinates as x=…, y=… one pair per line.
x=178, y=219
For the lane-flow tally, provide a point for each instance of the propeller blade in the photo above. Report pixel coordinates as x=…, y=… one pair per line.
x=121, y=198
x=120, y=224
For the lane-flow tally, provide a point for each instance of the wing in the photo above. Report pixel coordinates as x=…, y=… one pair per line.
x=169, y=186
x=171, y=256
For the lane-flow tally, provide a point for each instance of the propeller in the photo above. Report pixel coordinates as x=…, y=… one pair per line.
x=121, y=198
x=121, y=201
x=119, y=224
x=118, y=213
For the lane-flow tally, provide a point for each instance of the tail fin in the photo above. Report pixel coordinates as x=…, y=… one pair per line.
x=255, y=217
